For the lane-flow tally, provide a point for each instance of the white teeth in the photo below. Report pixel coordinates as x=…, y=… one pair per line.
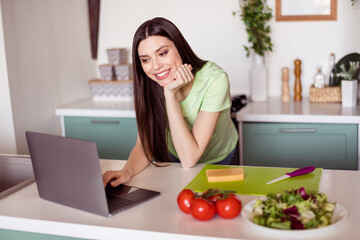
x=162, y=74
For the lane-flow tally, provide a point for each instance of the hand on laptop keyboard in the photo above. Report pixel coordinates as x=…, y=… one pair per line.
x=115, y=178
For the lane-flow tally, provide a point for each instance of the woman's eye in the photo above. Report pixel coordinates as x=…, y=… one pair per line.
x=144, y=60
x=163, y=53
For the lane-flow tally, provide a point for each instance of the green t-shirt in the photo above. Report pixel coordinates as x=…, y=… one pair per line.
x=211, y=93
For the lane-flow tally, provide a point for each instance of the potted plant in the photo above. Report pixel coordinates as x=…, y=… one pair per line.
x=349, y=83
x=255, y=15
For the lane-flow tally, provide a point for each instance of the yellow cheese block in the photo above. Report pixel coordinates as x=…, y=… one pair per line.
x=224, y=175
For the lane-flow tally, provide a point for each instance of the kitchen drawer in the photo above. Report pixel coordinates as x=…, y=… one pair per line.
x=332, y=146
x=114, y=137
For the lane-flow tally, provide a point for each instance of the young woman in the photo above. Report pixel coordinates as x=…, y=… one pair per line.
x=182, y=104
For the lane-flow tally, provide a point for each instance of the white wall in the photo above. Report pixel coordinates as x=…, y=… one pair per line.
x=48, y=60
x=7, y=134
x=216, y=35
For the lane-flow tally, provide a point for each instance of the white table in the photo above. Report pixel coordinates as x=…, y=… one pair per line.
x=160, y=217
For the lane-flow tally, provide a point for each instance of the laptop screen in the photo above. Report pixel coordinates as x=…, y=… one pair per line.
x=67, y=171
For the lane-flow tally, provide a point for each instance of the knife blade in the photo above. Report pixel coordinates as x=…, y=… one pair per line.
x=298, y=172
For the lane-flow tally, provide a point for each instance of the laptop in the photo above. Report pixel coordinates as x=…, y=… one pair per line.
x=67, y=171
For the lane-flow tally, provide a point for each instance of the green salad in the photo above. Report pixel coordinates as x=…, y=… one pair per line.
x=293, y=210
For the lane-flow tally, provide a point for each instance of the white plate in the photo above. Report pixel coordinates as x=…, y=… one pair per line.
x=339, y=215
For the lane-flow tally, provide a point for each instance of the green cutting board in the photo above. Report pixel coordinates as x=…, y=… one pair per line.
x=255, y=179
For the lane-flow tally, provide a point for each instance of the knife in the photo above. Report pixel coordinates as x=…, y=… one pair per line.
x=298, y=172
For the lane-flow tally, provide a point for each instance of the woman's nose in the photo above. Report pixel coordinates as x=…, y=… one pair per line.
x=157, y=64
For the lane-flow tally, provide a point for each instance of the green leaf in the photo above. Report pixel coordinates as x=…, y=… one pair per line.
x=281, y=225
x=255, y=14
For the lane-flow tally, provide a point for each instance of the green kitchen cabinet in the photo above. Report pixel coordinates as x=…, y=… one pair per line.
x=16, y=235
x=114, y=137
x=324, y=145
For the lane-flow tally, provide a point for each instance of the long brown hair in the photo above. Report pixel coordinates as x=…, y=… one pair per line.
x=149, y=95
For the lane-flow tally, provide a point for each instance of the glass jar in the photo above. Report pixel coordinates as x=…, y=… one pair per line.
x=319, y=79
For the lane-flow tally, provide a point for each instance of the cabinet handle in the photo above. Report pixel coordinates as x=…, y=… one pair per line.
x=105, y=122
x=297, y=130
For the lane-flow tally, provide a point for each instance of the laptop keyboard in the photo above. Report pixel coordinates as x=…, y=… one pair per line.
x=115, y=203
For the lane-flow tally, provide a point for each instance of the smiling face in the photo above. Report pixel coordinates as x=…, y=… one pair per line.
x=159, y=59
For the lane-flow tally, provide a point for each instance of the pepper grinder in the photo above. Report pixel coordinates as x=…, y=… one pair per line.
x=285, y=85
x=297, y=87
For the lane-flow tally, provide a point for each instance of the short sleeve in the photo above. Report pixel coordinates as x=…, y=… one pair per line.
x=217, y=96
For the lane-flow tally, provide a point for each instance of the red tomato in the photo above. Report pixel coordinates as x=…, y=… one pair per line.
x=216, y=197
x=229, y=207
x=202, y=209
x=184, y=200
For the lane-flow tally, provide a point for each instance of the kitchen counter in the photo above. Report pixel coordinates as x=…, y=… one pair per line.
x=274, y=110
x=92, y=108
x=89, y=107
x=160, y=217
x=284, y=114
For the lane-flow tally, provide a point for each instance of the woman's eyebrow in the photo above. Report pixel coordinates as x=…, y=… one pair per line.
x=157, y=50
